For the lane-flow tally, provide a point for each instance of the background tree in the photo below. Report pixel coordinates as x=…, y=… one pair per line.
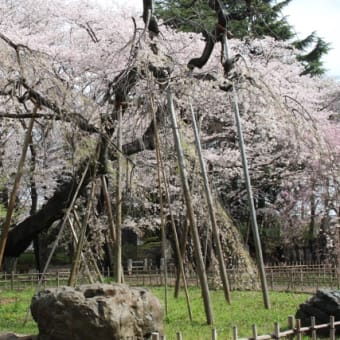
x=80, y=66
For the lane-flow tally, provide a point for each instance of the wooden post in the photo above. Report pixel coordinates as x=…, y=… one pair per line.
x=179, y=335
x=331, y=328
x=277, y=330
x=298, y=329
x=312, y=326
x=214, y=334
x=155, y=336
x=12, y=280
x=214, y=226
x=254, y=332
x=195, y=235
x=235, y=335
x=291, y=325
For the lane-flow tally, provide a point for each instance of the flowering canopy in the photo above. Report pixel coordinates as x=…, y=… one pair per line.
x=76, y=62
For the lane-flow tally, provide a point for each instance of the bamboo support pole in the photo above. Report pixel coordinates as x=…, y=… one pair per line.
x=76, y=262
x=215, y=228
x=257, y=241
x=255, y=229
x=195, y=235
x=182, y=254
x=92, y=258
x=160, y=194
x=87, y=270
x=18, y=175
x=108, y=209
x=118, y=243
x=181, y=271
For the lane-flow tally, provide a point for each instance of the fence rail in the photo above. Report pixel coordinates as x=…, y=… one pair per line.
x=294, y=331
x=279, y=277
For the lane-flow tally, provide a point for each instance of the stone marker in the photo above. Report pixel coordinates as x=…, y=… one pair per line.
x=96, y=311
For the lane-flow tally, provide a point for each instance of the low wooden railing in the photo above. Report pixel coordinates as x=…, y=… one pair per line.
x=294, y=331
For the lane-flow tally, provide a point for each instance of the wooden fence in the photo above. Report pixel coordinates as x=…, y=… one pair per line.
x=279, y=277
x=51, y=279
x=294, y=331
x=302, y=277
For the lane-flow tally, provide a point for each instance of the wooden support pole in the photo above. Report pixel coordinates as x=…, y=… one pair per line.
x=215, y=229
x=18, y=175
x=195, y=235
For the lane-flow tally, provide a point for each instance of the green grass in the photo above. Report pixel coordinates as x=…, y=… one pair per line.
x=246, y=309
x=13, y=310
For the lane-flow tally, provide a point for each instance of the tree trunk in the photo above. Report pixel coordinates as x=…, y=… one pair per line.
x=22, y=234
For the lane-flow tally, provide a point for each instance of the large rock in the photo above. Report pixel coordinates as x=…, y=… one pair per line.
x=96, y=311
x=322, y=305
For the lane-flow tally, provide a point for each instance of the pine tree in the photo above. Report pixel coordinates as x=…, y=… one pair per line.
x=246, y=18
x=312, y=59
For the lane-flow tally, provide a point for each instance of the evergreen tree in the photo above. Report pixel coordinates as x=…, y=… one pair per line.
x=256, y=18
x=246, y=18
x=312, y=59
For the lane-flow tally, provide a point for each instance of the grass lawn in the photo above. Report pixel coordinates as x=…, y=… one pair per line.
x=246, y=309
